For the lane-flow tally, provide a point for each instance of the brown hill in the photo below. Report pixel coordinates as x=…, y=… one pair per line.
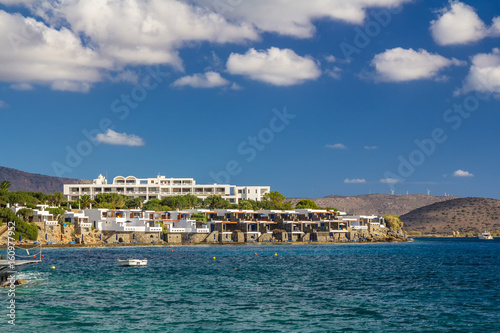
x=463, y=215
x=25, y=181
x=377, y=204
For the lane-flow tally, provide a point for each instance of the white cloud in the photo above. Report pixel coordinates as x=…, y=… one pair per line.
x=207, y=80
x=459, y=24
x=330, y=58
x=281, y=67
x=484, y=74
x=47, y=56
x=295, y=18
x=80, y=43
x=370, y=147
x=334, y=73
x=400, y=64
x=389, y=180
x=123, y=139
x=3, y=104
x=462, y=173
x=337, y=146
x=354, y=181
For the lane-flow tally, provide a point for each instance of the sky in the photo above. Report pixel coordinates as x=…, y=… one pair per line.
x=313, y=98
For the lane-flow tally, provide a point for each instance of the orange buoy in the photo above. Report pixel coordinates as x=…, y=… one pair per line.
x=255, y=253
x=43, y=255
x=89, y=250
x=172, y=250
x=34, y=256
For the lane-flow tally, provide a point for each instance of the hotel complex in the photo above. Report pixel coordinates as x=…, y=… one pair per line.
x=160, y=187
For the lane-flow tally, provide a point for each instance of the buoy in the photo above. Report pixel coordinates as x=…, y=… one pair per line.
x=89, y=250
x=255, y=253
x=172, y=250
x=43, y=255
x=34, y=256
x=169, y=246
x=236, y=268
x=275, y=254
x=53, y=267
x=213, y=258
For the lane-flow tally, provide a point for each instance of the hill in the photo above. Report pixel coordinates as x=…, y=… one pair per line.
x=463, y=215
x=377, y=204
x=25, y=181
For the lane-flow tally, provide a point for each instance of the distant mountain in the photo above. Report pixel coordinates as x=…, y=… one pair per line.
x=25, y=181
x=462, y=215
x=377, y=204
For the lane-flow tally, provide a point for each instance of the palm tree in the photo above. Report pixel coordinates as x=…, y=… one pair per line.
x=4, y=185
x=85, y=200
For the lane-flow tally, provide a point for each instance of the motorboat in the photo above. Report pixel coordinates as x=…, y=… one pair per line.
x=133, y=262
x=485, y=235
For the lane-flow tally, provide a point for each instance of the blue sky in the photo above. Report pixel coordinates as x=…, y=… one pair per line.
x=313, y=99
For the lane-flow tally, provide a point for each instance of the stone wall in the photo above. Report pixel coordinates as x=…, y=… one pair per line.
x=238, y=237
x=197, y=238
x=172, y=238
x=266, y=237
x=224, y=238
x=212, y=237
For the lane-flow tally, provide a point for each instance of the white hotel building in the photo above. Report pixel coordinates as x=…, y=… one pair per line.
x=160, y=187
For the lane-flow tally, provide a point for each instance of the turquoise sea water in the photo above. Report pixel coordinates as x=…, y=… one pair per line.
x=430, y=285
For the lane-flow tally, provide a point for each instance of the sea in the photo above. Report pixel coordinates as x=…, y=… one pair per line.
x=429, y=285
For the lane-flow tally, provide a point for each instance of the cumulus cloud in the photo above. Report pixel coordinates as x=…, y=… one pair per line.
x=462, y=173
x=484, y=74
x=389, y=180
x=337, y=146
x=295, y=18
x=280, y=67
x=3, y=104
x=123, y=139
x=78, y=43
x=459, y=24
x=207, y=80
x=370, y=147
x=398, y=65
x=33, y=52
x=354, y=181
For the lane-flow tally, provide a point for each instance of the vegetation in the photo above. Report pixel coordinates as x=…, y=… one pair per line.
x=393, y=222
x=22, y=228
x=306, y=203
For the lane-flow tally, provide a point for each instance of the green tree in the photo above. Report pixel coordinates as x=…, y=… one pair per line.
x=23, y=229
x=306, y=203
x=134, y=203
x=85, y=201
x=216, y=202
x=246, y=205
x=59, y=198
x=4, y=186
x=57, y=213
x=114, y=199
x=25, y=213
x=275, y=200
x=393, y=222
x=153, y=204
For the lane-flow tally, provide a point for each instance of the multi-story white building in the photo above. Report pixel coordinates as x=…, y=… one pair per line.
x=160, y=187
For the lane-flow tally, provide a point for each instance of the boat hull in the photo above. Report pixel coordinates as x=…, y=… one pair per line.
x=133, y=262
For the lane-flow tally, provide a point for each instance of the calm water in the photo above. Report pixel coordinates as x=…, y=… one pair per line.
x=426, y=286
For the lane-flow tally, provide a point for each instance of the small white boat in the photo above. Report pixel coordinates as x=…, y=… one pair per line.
x=485, y=235
x=133, y=262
